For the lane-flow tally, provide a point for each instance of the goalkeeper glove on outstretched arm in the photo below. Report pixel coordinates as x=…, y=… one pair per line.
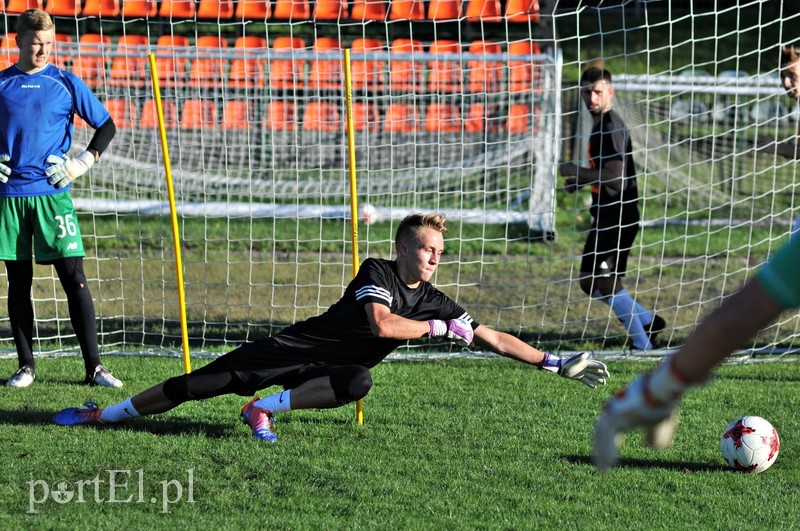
x=5, y=169
x=64, y=170
x=649, y=402
x=458, y=330
x=579, y=367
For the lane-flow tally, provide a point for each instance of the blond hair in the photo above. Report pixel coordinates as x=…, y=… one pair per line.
x=33, y=20
x=413, y=224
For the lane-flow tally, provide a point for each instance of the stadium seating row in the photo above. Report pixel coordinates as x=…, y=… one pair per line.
x=282, y=115
x=204, y=65
x=332, y=10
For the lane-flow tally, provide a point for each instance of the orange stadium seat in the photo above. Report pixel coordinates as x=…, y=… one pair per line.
x=368, y=10
x=64, y=8
x=330, y=9
x=367, y=74
x=215, y=9
x=445, y=69
x=522, y=11
x=321, y=116
x=444, y=10
x=485, y=76
x=442, y=118
x=237, y=114
x=366, y=116
x=129, y=65
x=139, y=8
x=208, y=67
x=247, y=71
x=18, y=6
x=326, y=73
x=405, y=75
x=123, y=112
x=280, y=116
x=253, y=10
x=90, y=63
x=475, y=121
x=292, y=10
x=519, y=118
x=171, y=60
x=401, y=118
x=8, y=50
x=149, y=118
x=184, y=9
x=101, y=8
x=522, y=74
x=407, y=10
x=60, y=55
x=286, y=73
x=484, y=11
x=198, y=114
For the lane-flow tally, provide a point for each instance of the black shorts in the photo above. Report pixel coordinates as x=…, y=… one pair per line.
x=606, y=250
x=264, y=363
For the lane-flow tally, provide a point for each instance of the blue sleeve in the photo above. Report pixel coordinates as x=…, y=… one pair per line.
x=87, y=106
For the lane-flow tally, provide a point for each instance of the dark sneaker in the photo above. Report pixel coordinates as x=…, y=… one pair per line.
x=22, y=378
x=102, y=377
x=655, y=327
x=260, y=420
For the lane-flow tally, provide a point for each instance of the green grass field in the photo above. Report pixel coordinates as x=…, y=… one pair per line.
x=456, y=444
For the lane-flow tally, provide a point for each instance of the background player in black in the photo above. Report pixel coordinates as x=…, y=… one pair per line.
x=324, y=362
x=614, y=210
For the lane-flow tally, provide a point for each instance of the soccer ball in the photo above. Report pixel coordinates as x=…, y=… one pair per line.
x=368, y=214
x=750, y=444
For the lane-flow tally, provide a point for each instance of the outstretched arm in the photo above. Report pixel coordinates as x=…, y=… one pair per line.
x=579, y=367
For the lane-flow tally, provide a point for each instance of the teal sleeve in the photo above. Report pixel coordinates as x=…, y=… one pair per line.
x=781, y=275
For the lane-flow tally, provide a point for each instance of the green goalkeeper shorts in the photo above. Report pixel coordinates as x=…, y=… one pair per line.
x=45, y=225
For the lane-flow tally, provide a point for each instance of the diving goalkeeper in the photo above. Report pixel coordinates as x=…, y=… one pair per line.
x=325, y=361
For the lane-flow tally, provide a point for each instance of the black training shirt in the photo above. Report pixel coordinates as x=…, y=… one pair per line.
x=611, y=140
x=342, y=334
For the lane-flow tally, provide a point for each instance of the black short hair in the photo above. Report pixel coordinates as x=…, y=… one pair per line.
x=594, y=74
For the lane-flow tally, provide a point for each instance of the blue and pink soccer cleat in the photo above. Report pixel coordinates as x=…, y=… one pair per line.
x=73, y=416
x=260, y=420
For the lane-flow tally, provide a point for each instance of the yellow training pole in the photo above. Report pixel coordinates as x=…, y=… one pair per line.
x=187, y=364
x=351, y=146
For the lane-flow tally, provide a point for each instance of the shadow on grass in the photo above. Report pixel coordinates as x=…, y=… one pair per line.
x=171, y=426
x=680, y=466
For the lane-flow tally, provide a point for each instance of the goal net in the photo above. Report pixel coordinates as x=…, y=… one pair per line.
x=468, y=114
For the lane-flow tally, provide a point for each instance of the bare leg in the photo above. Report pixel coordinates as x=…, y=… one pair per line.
x=316, y=393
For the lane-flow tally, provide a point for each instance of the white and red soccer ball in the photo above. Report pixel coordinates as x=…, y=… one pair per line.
x=368, y=214
x=750, y=444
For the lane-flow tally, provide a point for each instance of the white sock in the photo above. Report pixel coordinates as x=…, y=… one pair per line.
x=624, y=308
x=276, y=403
x=116, y=413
